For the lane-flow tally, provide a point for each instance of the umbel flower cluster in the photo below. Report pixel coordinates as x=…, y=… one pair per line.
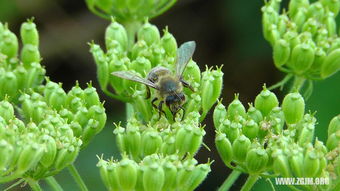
x=42, y=128
x=272, y=140
x=19, y=74
x=304, y=38
x=129, y=10
x=149, y=51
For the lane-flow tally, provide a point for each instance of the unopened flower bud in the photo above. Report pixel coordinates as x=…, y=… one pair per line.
x=302, y=57
x=133, y=141
x=254, y=114
x=103, y=72
x=333, y=140
x=266, y=101
x=334, y=125
x=293, y=107
x=198, y=175
x=220, y=113
x=57, y=99
x=331, y=64
x=332, y=5
x=192, y=72
x=29, y=33
x=151, y=142
x=6, y=152
x=141, y=65
x=30, y=53
x=311, y=164
x=29, y=157
x=233, y=130
x=117, y=32
x=281, y=52
x=241, y=146
x=236, y=108
x=224, y=148
x=183, y=139
x=153, y=177
x=6, y=110
x=280, y=164
x=250, y=129
x=256, y=160
x=119, y=134
x=169, y=43
x=196, y=140
x=307, y=134
x=50, y=152
x=149, y=33
x=66, y=156
x=300, y=17
x=295, y=5
x=127, y=174
x=296, y=162
x=9, y=45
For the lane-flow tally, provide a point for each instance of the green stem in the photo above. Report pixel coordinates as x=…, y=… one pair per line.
x=131, y=28
x=53, y=183
x=15, y=184
x=252, y=178
x=298, y=83
x=75, y=174
x=230, y=180
x=34, y=184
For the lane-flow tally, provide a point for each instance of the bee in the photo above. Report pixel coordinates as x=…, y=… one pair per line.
x=169, y=87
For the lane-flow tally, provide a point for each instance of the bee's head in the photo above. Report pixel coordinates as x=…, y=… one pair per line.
x=175, y=101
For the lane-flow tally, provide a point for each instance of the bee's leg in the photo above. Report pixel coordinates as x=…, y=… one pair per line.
x=160, y=109
x=148, y=94
x=181, y=107
x=187, y=85
x=153, y=102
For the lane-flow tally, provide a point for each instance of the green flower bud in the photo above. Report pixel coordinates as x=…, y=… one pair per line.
x=151, y=142
x=29, y=157
x=281, y=52
x=241, y=146
x=9, y=45
x=139, y=185
x=192, y=72
x=332, y=5
x=169, y=146
x=66, y=156
x=113, y=176
x=254, y=114
x=280, y=164
x=196, y=141
x=6, y=152
x=316, y=10
x=103, y=72
x=91, y=129
x=75, y=103
x=295, y=5
x=277, y=119
x=29, y=33
x=296, y=162
x=198, y=175
x=193, y=104
x=184, y=174
x=282, y=23
x=183, y=139
x=57, y=99
x=153, y=177
x=50, y=87
x=6, y=110
x=35, y=75
x=133, y=141
x=266, y=101
x=323, y=165
x=334, y=125
x=30, y=53
x=236, y=108
x=170, y=173
x=256, y=160
x=307, y=134
x=219, y=114
x=116, y=82
x=127, y=174
x=320, y=56
x=9, y=85
x=98, y=113
x=141, y=65
x=90, y=96
x=331, y=64
x=138, y=49
x=224, y=148
x=233, y=131
x=149, y=33
x=273, y=34
x=330, y=24
x=119, y=134
x=269, y=17
x=76, y=128
x=116, y=31
x=20, y=73
x=250, y=129
x=311, y=25
x=50, y=152
x=333, y=140
x=311, y=164
x=300, y=17
x=169, y=43
x=81, y=116
x=102, y=165
x=302, y=58
x=293, y=107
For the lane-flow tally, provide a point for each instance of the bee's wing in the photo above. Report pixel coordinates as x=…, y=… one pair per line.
x=133, y=77
x=184, y=54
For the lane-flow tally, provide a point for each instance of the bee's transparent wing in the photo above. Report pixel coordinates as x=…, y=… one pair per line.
x=184, y=54
x=133, y=77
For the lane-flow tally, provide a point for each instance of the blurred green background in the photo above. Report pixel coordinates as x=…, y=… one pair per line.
x=227, y=32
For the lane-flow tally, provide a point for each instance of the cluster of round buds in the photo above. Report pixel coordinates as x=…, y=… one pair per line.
x=129, y=10
x=18, y=73
x=268, y=138
x=305, y=39
x=149, y=51
x=182, y=138
x=153, y=173
x=80, y=109
x=34, y=149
